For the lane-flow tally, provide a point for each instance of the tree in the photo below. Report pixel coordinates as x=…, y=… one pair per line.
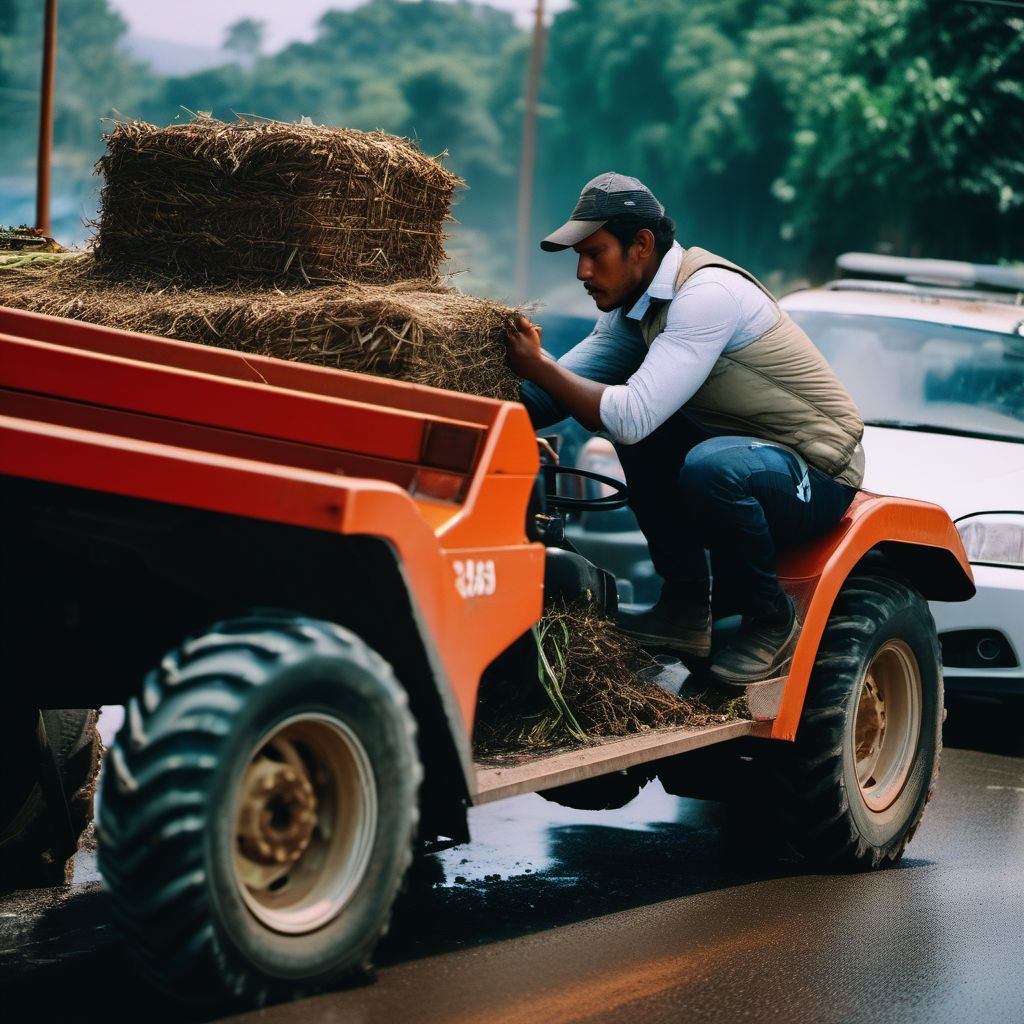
x=445, y=112
x=785, y=131
x=244, y=38
x=670, y=91
x=94, y=78
x=427, y=70
x=907, y=130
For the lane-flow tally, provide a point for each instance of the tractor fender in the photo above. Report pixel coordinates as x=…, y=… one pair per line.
x=912, y=540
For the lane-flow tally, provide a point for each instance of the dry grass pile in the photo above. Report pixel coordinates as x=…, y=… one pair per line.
x=209, y=201
x=587, y=686
x=414, y=331
x=295, y=241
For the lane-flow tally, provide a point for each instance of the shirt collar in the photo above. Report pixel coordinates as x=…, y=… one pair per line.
x=663, y=287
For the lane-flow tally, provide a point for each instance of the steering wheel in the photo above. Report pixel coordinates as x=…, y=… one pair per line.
x=618, y=499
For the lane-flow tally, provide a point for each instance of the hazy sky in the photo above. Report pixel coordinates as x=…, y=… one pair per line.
x=202, y=22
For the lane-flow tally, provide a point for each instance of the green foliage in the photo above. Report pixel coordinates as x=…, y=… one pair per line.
x=782, y=132
x=423, y=70
x=394, y=31
x=443, y=107
x=908, y=120
x=366, y=69
x=94, y=77
x=553, y=642
x=245, y=37
x=673, y=92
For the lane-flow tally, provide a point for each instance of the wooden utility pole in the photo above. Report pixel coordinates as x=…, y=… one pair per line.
x=528, y=156
x=46, y=120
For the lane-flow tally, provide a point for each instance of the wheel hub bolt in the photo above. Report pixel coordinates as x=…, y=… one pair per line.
x=278, y=814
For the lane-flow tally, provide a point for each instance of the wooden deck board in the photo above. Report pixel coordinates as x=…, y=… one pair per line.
x=546, y=770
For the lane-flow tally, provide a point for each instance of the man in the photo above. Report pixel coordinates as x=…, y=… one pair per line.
x=734, y=434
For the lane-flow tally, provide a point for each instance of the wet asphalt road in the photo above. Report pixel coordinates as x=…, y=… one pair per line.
x=645, y=914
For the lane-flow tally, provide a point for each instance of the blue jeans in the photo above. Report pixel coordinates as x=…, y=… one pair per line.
x=738, y=498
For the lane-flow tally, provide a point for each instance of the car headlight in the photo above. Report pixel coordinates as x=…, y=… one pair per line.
x=994, y=538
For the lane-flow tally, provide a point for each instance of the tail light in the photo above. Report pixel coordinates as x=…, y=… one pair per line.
x=450, y=446
x=448, y=454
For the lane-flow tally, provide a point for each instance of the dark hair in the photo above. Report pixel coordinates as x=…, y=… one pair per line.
x=625, y=227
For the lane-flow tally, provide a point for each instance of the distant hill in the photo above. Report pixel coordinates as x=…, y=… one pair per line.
x=171, y=58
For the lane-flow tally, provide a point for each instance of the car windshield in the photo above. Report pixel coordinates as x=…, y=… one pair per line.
x=924, y=376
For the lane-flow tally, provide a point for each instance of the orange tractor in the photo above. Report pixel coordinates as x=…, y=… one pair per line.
x=294, y=578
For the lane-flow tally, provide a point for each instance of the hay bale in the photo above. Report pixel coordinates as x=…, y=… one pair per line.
x=414, y=331
x=208, y=201
x=588, y=685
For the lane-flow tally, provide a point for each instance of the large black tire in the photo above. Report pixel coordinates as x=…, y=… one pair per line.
x=271, y=736
x=851, y=794
x=44, y=808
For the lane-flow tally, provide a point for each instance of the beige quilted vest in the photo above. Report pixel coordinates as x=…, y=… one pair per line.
x=779, y=387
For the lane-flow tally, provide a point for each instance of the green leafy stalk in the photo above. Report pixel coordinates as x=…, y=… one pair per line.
x=551, y=680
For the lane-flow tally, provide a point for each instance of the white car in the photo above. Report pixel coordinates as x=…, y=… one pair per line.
x=937, y=371
x=933, y=353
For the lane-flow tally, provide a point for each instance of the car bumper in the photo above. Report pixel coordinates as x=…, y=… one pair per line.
x=997, y=606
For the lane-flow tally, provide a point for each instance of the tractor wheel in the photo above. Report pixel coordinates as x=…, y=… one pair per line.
x=257, y=811
x=867, y=749
x=44, y=810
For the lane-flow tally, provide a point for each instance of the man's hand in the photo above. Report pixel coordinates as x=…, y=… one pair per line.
x=523, y=351
x=579, y=396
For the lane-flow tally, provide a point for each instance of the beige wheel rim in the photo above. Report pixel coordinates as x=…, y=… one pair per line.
x=888, y=724
x=304, y=823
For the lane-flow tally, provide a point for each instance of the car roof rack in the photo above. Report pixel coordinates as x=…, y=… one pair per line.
x=933, y=274
x=903, y=288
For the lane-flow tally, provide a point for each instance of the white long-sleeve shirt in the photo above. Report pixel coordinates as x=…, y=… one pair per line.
x=715, y=311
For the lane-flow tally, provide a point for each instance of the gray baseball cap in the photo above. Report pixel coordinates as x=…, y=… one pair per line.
x=606, y=196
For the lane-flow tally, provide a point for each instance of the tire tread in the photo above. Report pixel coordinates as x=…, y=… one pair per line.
x=151, y=827
x=812, y=801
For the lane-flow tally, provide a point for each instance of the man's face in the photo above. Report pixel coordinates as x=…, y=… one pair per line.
x=612, y=277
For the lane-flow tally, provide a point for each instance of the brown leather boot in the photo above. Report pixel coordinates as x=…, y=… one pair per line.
x=761, y=650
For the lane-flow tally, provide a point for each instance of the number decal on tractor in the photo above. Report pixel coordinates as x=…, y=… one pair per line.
x=475, y=577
